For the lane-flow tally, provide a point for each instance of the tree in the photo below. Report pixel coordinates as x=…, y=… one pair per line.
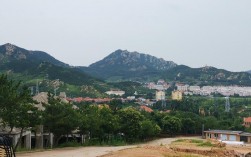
x=237, y=124
x=115, y=105
x=60, y=118
x=171, y=124
x=188, y=125
x=210, y=122
x=109, y=123
x=191, y=122
x=130, y=123
x=16, y=106
x=149, y=129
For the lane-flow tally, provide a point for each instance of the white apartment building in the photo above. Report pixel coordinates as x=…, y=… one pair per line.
x=223, y=90
x=194, y=88
x=182, y=88
x=119, y=93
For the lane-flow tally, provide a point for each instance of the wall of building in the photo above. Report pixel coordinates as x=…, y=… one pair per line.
x=176, y=95
x=160, y=95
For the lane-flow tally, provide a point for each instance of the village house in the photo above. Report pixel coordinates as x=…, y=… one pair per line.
x=228, y=135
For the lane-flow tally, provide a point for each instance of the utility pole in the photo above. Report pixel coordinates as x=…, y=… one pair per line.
x=32, y=90
x=203, y=130
x=37, y=88
x=227, y=105
x=55, y=91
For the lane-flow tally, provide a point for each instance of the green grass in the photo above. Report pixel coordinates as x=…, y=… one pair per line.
x=189, y=140
x=179, y=140
x=205, y=144
x=196, y=141
x=69, y=144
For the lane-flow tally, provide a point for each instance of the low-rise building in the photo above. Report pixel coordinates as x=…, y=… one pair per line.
x=115, y=92
x=161, y=85
x=145, y=108
x=131, y=98
x=228, y=135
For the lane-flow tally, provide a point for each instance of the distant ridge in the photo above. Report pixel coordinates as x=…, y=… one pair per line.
x=123, y=65
x=39, y=64
x=120, y=65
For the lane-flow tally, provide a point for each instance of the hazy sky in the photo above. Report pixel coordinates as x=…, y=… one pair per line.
x=79, y=32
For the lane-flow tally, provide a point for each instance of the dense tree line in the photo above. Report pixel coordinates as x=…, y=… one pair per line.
x=17, y=107
x=117, y=120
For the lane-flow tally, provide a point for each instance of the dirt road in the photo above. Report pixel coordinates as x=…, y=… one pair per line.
x=91, y=151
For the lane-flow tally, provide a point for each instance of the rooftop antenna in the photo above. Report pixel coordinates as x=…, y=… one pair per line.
x=227, y=105
x=37, y=88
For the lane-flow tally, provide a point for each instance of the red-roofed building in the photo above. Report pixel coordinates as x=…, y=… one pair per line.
x=87, y=99
x=145, y=108
x=247, y=122
x=79, y=99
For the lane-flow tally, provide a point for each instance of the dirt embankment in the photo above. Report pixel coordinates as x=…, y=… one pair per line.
x=166, y=147
x=184, y=148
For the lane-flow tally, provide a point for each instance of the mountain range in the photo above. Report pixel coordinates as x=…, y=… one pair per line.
x=120, y=65
x=123, y=65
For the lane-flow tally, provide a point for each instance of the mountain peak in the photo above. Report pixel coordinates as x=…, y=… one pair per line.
x=10, y=52
x=122, y=63
x=134, y=61
x=9, y=49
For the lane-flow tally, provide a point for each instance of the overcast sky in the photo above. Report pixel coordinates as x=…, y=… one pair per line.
x=80, y=32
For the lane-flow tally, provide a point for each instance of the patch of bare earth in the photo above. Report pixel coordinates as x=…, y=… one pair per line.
x=154, y=151
x=185, y=148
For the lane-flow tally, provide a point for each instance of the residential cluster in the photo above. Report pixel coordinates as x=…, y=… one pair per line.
x=160, y=85
x=209, y=90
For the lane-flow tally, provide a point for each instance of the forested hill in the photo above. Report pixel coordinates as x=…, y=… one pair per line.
x=30, y=66
x=206, y=76
x=124, y=65
x=9, y=53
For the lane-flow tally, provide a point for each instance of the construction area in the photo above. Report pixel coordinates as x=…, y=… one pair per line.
x=185, y=148
x=165, y=147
